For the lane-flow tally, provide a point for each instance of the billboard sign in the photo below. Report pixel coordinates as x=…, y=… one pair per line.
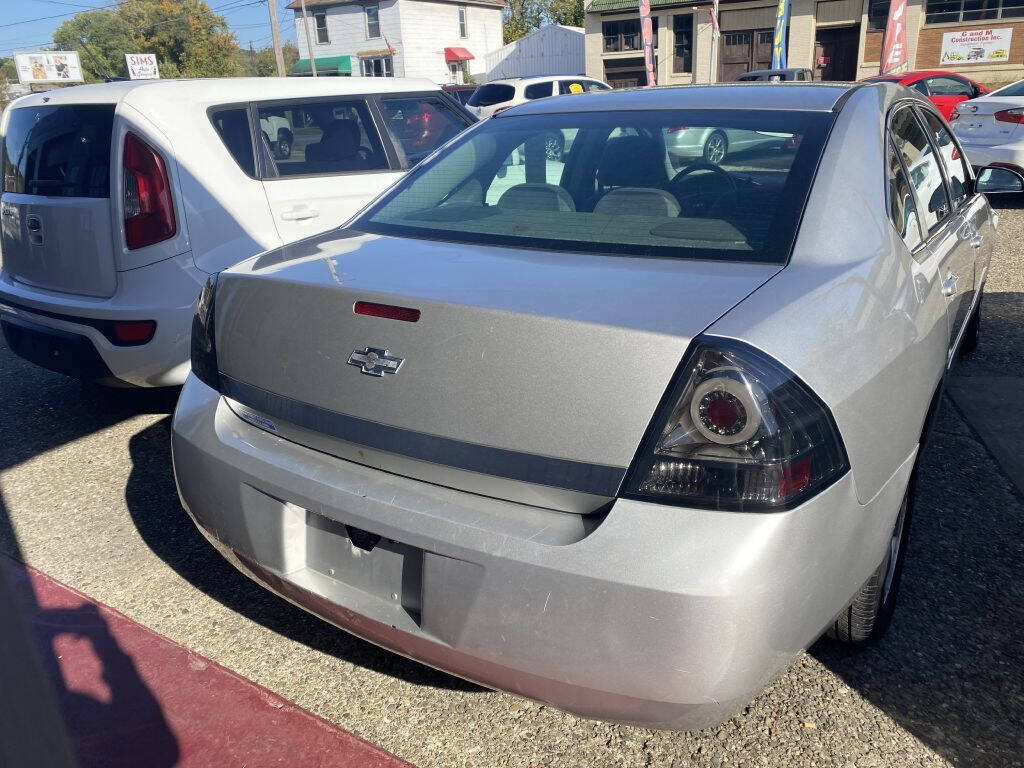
x=48, y=67
x=142, y=66
x=976, y=46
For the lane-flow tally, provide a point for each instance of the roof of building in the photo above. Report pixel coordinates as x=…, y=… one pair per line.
x=599, y=6
x=224, y=89
x=297, y=4
x=817, y=97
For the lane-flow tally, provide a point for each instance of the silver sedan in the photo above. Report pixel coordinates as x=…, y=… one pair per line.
x=611, y=436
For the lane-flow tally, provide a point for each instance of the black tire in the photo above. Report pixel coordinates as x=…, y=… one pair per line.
x=867, y=617
x=716, y=148
x=969, y=342
x=284, y=145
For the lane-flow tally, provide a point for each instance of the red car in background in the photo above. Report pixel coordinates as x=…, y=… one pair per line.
x=944, y=89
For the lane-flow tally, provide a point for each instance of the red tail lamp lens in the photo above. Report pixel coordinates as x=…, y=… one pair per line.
x=405, y=314
x=148, y=208
x=134, y=332
x=1015, y=115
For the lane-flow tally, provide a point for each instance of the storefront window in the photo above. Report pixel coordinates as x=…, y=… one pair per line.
x=878, y=13
x=625, y=35
x=952, y=11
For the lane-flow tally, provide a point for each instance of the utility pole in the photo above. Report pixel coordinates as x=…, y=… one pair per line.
x=271, y=5
x=309, y=40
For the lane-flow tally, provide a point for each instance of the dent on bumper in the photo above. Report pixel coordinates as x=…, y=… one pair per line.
x=661, y=616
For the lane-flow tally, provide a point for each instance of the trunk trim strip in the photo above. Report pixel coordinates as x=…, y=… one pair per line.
x=597, y=479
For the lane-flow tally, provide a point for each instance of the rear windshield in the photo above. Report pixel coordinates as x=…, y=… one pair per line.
x=697, y=184
x=59, y=151
x=492, y=93
x=1013, y=89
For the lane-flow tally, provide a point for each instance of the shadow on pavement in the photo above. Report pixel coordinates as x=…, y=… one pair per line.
x=950, y=669
x=64, y=704
x=152, y=501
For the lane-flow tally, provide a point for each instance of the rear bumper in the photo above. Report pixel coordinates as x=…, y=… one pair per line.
x=661, y=616
x=980, y=155
x=164, y=292
x=56, y=350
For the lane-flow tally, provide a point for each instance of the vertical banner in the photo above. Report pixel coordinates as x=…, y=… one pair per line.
x=647, y=36
x=779, y=39
x=894, y=52
x=715, y=34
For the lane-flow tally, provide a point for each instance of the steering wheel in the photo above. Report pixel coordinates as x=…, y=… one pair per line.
x=700, y=201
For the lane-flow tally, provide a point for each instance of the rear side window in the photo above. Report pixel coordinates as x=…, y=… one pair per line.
x=902, y=206
x=580, y=86
x=59, y=151
x=233, y=128
x=419, y=124
x=924, y=168
x=537, y=90
x=320, y=138
x=952, y=158
x=490, y=94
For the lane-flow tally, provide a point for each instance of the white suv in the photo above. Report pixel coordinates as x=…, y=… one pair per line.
x=498, y=95
x=119, y=199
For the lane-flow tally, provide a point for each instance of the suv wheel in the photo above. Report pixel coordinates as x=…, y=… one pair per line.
x=716, y=148
x=284, y=145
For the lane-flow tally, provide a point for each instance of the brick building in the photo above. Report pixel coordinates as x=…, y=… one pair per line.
x=836, y=39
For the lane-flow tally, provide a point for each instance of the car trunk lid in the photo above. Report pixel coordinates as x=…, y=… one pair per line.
x=56, y=207
x=977, y=123
x=528, y=375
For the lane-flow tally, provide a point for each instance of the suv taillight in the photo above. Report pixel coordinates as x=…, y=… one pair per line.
x=743, y=433
x=204, y=345
x=1015, y=115
x=148, y=207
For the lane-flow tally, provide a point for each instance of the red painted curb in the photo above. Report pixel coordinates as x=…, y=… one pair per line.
x=129, y=697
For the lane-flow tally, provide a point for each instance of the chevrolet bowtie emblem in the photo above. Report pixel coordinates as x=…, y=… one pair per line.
x=374, y=361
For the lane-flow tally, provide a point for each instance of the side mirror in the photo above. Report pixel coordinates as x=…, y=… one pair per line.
x=998, y=180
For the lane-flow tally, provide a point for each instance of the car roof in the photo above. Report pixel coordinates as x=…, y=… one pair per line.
x=796, y=96
x=535, y=78
x=224, y=89
x=914, y=76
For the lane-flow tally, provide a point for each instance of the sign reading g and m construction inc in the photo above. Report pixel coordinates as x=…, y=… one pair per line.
x=48, y=67
x=976, y=46
x=142, y=66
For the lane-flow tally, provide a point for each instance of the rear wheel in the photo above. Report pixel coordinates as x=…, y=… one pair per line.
x=867, y=618
x=715, y=148
x=284, y=145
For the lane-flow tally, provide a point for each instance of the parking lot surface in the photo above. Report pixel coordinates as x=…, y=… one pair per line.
x=87, y=496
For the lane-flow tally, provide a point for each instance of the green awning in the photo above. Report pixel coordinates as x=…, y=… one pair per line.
x=325, y=65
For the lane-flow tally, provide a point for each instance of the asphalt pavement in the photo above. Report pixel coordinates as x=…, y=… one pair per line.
x=87, y=496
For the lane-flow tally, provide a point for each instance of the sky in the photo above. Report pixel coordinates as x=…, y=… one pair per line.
x=27, y=25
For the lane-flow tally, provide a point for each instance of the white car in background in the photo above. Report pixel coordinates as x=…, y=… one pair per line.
x=989, y=127
x=120, y=199
x=494, y=97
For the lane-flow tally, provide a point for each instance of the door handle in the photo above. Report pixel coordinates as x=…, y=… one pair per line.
x=949, y=285
x=977, y=240
x=300, y=214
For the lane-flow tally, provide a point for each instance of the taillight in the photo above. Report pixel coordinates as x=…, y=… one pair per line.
x=676, y=129
x=204, y=347
x=1015, y=115
x=390, y=311
x=133, y=332
x=743, y=433
x=148, y=208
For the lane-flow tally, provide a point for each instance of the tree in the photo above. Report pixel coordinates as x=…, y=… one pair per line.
x=261, y=62
x=567, y=12
x=188, y=38
x=524, y=16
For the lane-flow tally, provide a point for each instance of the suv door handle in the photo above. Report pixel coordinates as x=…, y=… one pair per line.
x=949, y=285
x=300, y=214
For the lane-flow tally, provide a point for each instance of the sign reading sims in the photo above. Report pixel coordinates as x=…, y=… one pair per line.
x=976, y=46
x=142, y=66
x=48, y=67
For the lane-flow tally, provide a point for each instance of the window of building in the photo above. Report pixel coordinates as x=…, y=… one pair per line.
x=625, y=35
x=459, y=72
x=878, y=14
x=463, y=24
x=923, y=167
x=377, y=66
x=946, y=11
x=320, y=19
x=682, y=55
x=372, y=21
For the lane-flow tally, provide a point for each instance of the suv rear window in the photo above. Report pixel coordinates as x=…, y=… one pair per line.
x=634, y=183
x=490, y=94
x=59, y=151
x=420, y=124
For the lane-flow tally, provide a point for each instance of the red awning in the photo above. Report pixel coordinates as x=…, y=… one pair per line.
x=457, y=54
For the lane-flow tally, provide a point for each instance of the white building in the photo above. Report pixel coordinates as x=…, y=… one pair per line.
x=442, y=40
x=550, y=50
